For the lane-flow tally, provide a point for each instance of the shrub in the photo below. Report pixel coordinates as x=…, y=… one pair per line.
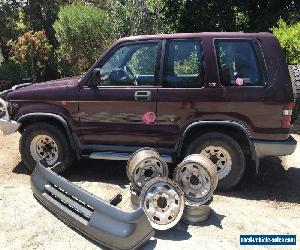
x=289, y=38
x=31, y=50
x=11, y=73
x=83, y=33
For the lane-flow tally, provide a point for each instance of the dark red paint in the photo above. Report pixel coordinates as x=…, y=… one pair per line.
x=110, y=115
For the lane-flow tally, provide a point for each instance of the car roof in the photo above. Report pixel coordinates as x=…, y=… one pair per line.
x=197, y=35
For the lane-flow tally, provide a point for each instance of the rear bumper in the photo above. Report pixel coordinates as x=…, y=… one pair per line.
x=274, y=148
x=92, y=216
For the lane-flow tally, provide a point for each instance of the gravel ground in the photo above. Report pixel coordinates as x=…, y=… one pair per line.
x=267, y=203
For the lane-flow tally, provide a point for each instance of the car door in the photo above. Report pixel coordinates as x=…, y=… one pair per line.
x=187, y=92
x=121, y=109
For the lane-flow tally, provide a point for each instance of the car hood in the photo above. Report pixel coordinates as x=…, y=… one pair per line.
x=48, y=89
x=53, y=84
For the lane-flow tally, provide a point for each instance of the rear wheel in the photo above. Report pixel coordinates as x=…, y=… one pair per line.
x=45, y=141
x=225, y=153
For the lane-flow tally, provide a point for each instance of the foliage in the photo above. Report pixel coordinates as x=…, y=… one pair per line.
x=12, y=72
x=187, y=66
x=262, y=15
x=9, y=15
x=32, y=50
x=196, y=16
x=137, y=17
x=83, y=33
x=143, y=61
x=289, y=38
x=84, y=28
x=231, y=15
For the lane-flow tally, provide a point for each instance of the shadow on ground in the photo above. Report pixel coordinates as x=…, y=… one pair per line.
x=110, y=172
x=20, y=169
x=271, y=183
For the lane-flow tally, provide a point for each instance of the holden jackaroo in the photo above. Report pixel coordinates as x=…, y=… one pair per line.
x=227, y=96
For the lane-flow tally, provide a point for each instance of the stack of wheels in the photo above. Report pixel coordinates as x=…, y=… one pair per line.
x=197, y=176
x=163, y=203
x=144, y=165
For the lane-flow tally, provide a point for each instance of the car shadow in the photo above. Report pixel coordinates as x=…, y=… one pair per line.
x=294, y=175
x=272, y=182
x=110, y=172
x=21, y=169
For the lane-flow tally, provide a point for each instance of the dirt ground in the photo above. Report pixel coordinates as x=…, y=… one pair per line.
x=267, y=203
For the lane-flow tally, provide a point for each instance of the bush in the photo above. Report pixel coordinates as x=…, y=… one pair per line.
x=83, y=34
x=289, y=38
x=31, y=50
x=11, y=73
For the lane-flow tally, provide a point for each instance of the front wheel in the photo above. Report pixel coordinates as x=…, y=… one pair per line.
x=225, y=153
x=45, y=141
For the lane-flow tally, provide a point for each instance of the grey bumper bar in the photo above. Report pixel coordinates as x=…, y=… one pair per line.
x=275, y=148
x=92, y=216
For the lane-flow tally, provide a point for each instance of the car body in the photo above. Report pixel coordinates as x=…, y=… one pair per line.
x=165, y=91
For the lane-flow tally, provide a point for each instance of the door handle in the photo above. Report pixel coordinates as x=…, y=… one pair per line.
x=142, y=96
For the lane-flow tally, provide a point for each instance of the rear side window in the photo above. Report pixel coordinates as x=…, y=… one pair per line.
x=239, y=63
x=182, y=68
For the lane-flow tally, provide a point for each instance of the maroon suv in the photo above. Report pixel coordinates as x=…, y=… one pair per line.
x=225, y=95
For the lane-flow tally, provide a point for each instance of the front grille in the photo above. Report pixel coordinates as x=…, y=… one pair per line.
x=2, y=110
x=73, y=204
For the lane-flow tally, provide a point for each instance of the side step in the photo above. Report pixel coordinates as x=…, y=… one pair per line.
x=121, y=156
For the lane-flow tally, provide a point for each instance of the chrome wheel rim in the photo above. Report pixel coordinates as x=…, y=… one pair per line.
x=220, y=157
x=163, y=203
x=44, y=146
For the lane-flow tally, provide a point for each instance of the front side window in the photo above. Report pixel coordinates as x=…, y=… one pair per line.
x=238, y=63
x=131, y=65
x=182, y=68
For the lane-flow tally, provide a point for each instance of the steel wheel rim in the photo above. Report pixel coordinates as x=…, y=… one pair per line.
x=163, y=203
x=44, y=146
x=194, y=180
x=147, y=170
x=220, y=157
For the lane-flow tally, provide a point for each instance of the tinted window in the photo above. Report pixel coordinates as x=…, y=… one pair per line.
x=183, y=64
x=238, y=63
x=131, y=65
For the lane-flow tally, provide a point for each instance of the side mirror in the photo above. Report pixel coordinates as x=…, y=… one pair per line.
x=96, y=78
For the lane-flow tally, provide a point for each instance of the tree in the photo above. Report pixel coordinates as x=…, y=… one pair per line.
x=230, y=15
x=263, y=15
x=199, y=16
x=9, y=15
x=137, y=17
x=289, y=38
x=83, y=33
x=32, y=50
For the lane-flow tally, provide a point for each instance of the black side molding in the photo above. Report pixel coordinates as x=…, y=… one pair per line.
x=275, y=148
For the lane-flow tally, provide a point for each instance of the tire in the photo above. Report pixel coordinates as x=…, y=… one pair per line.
x=54, y=143
x=223, y=151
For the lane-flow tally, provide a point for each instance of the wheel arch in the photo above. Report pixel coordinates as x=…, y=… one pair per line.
x=57, y=120
x=233, y=129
